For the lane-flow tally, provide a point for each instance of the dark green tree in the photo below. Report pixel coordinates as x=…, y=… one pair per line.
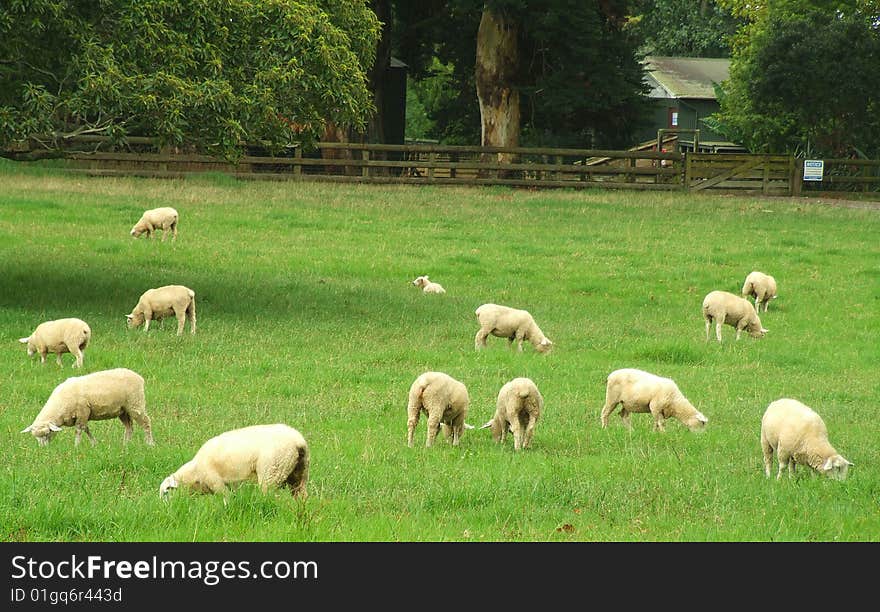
x=684, y=28
x=202, y=73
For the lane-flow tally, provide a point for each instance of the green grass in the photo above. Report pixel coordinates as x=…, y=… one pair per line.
x=307, y=316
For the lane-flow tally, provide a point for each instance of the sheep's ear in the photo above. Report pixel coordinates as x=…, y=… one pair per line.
x=487, y=425
x=24, y=340
x=764, y=331
x=27, y=429
x=828, y=465
x=848, y=462
x=128, y=317
x=546, y=342
x=702, y=418
x=54, y=427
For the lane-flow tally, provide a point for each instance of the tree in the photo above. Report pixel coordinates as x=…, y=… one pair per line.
x=200, y=73
x=684, y=28
x=783, y=95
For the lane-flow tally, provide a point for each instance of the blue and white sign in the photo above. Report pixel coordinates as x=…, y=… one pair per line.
x=813, y=169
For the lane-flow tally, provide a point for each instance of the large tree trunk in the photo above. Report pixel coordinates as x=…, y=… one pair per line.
x=495, y=74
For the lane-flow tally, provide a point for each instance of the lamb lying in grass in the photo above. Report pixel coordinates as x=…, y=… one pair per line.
x=156, y=304
x=445, y=402
x=59, y=336
x=272, y=455
x=640, y=391
x=723, y=307
x=510, y=323
x=106, y=394
x=518, y=409
x=798, y=435
x=762, y=287
x=428, y=286
x=164, y=219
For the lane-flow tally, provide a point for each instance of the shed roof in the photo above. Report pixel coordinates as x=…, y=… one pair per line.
x=685, y=77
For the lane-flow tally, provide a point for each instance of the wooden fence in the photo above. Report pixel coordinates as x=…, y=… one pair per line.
x=472, y=165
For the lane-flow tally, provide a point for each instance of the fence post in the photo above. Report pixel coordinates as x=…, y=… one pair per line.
x=453, y=157
x=797, y=177
x=765, y=180
x=297, y=164
x=432, y=157
x=365, y=170
x=688, y=171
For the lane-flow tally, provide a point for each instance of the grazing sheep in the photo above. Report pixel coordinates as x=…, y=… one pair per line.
x=639, y=391
x=157, y=219
x=445, y=402
x=518, y=409
x=106, y=394
x=510, y=323
x=798, y=435
x=273, y=455
x=428, y=286
x=59, y=336
x=724, y=307
x=762, y=287
x=163, y=302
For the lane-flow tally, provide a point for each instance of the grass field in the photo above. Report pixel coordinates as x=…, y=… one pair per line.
x=306, y=315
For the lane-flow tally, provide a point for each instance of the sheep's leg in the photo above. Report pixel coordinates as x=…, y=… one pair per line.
x=433, y=428
x=89, y=434
x=174, y=231
x=147, y=319
x=519, y=341
x=457, y=430
x=783, y=459
x=480, y=339
x=624, y=416
x=143, y=420
x=708, y=325
x=43, y=356
x=607, y=409
x=77, y=352
x=58, y=360
x=718, y=324
x=739, y=331
x=657, y=413
x=767, y=451
x=411, y=422
x=447, y=431
x=126, y=420
x=516, y=430
x=181, y=319
x=191, y=311
x=530, y=431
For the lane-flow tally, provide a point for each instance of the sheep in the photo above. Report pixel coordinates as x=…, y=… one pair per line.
x=798, y=435
x=428, y=286
x=157, y=219
x=445, y=402
x=98, y=396
x=59, y=336
x=163, y=302
x=510, y=323
x=724, y=307
x=518, y=409
x=640, y=391
x=760, y=286
x=273, y=455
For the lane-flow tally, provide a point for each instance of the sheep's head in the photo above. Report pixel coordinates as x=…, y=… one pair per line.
x=137, y=230
x=43, y=432
x=544, y=346
x=30, y=345
x=697, y=422
x=421, y=281
x=167, y=484
x=755, y=329
x=836, y=467
x=135, y=319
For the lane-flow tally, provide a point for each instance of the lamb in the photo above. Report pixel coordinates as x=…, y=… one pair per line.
x=445, y=402
x=272, y=455
x=518, y=409
x=798, y=435
x=510, y=323
x=428, y=286
x=163, y=302
x=157, y=219
x=59, y=336
x=98, y=396
x=640, y=391
x=762, y=287
x=724, y=307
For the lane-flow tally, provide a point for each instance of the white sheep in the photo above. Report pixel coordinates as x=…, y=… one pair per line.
x=445, y=402
x=518, y=408
x=510, y=323
x=98, y=396
x=157, y=219
x=760, y=286
x=156, y=304
x=59, y=336
x=272, y=455
x=723, y=307
x=428, y=286
x=640, y=391
x=798, y=435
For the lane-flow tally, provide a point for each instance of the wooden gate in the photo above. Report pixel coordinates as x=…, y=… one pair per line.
x=735, y=172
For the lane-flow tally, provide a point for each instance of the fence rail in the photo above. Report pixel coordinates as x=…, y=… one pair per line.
x=472, y=165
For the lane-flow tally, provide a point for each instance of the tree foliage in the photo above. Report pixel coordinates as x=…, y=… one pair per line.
x=200, y=72
x=788, y=92
x=684, y=28
x=578, y=70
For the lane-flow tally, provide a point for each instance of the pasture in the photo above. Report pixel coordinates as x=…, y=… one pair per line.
x=307, y=316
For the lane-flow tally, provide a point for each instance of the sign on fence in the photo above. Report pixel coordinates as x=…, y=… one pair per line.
x=813, y=169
